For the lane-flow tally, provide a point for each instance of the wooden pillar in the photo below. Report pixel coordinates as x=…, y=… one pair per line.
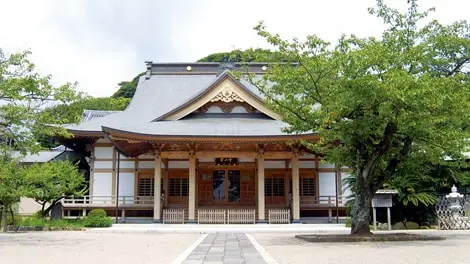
x=192, y=189
x=295, y=188
x=156, y=191
x=287, y=184
x=165, y=182
x=260, y=200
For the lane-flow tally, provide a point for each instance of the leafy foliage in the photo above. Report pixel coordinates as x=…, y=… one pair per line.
x=127, y=89
x=376, y=102
x=97, y=218
x=72, y=113
x=12, y=186
x=49, y=182
x=24, y=94
x=248, y=55
x=97, y=213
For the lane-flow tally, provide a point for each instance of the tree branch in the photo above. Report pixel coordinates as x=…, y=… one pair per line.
x=458, y=66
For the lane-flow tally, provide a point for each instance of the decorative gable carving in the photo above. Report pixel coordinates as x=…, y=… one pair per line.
x=227, y=95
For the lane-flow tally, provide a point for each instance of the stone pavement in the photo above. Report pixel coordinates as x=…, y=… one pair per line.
x=230, y=248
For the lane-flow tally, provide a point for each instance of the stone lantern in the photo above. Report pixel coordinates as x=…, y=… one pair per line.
x=454, y=200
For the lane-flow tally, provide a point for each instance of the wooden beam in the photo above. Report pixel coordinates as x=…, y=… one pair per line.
x=174, y=154
x=226, y=154
x=278, y=155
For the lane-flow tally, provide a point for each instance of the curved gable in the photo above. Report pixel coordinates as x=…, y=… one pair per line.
x=224, y=90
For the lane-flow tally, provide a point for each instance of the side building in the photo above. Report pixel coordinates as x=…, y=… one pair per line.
x=196, y=145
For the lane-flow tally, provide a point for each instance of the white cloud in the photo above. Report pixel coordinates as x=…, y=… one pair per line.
x=99, y=43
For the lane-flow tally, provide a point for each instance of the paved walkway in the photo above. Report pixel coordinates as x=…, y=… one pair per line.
x=231, y=248
x=198, y=229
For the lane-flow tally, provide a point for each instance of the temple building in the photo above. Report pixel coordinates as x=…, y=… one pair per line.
x=196, y=145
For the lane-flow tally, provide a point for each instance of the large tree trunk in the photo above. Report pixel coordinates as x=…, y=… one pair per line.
x=5, y=217
x=360, y=215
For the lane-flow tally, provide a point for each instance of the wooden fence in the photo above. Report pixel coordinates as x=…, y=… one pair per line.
x=211, y=216
x=173, y=216
x=241, y=216
x=279, y=216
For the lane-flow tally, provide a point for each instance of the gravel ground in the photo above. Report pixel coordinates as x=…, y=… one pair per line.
x=87, y=247
x=287, y=249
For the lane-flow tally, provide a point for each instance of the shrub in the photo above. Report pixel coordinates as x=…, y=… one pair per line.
x=97, y=213
x=97, y=218
x=31, y=221
x=409, y=225
x=412, y=225
x=98, y=222
x=347, y=222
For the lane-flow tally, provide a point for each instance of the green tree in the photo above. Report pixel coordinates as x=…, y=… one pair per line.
x=12, y=186
x=374, y=102
x=127, y=89
x=24, y=94
x=72, y=113
x=49, y=182
x=248, y=55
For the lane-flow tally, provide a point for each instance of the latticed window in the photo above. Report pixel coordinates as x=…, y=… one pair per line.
x=145, y=187
x=178, y=187
x=274, y=187
x=307, y=187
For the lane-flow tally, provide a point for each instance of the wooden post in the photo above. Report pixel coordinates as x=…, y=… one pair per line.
x=261, y=212
x=389, y=219
x=156, y=188
x=295, y=188
x=374, y=216
x=165, y=182
x=192, y=189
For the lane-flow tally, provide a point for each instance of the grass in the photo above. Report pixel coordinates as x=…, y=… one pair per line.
x=41, y=222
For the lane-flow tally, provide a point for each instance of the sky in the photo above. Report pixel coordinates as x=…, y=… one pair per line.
x=99, y=43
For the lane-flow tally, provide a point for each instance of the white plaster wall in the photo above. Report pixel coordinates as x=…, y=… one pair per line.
x=307, y=156
x=239, y=110
x=102, y=186
x=306, y=164
x=103, y=165
x=327, y=185
x=346, y=189
x=28, y=206
x=146, y=156
x=178, y=164
x=127, y=164
x=246, y=160
x=274, y=164
x=146, y=164
x=326, y=165
x=126, y=187
x=214, y=109
x=103, y=152
x=103, y=140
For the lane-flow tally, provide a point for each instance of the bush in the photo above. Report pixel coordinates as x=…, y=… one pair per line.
x=412, y=225
x=347, y=222
x=97, y=213
x=97, y=218
x=31, y=221
x=409, y=225
x=98, y=221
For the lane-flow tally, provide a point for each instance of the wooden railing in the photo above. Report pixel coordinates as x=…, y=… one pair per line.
x=211, y=216
x=107, y=200
x=322, y=201
x=241, y=216
x=173, y=216
x=279, y=216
